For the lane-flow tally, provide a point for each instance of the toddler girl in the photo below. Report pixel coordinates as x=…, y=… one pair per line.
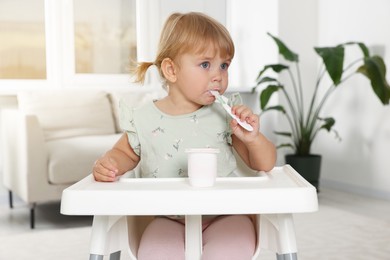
x=193, y=58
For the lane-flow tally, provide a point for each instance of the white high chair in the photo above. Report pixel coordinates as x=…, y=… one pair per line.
x=124, y=208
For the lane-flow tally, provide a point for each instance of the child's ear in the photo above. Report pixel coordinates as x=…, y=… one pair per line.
x=168, y=68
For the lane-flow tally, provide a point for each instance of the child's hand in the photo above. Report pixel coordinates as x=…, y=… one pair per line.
x=253, y=147
x=105, y=169
x=245, y=114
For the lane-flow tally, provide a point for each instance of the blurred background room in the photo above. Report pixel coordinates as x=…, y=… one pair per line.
x=87, y=46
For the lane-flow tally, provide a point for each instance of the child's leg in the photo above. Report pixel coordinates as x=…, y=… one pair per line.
x=229, y=237
x=163, y=239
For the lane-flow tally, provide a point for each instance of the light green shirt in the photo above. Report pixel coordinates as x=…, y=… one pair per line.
x=160, y=139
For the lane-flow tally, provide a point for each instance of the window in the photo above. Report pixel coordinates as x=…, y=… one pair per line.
x=49, y=43
x=22, y=38
x=104, y=39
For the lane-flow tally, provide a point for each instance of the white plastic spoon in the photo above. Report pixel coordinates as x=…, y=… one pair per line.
x=223, y=101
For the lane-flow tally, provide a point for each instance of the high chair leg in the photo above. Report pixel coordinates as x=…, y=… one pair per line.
x=277, y=234
x=10, y=199
x=95, y=257
x=109, y=236
x=115, y=256
x=193, y=237
x=292, y=256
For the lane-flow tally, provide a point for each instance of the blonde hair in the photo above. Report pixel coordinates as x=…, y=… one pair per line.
x=188, y=33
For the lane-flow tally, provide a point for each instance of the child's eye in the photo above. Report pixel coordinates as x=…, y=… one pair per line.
x=224, y=66
x=205, y=65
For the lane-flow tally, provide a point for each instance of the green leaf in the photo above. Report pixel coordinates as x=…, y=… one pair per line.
x=265, y=79
x=364, y=49
x=362, y=46
x=278, y=67
x=287, y=134
x=284, y=50
x=374, y=69
x=285, y=145
x=266, y=94
x=275, y=67
x=333, y=58
x=328, y=123
x=277, y=108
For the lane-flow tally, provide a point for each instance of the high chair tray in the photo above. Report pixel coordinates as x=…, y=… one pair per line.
x=281, y=190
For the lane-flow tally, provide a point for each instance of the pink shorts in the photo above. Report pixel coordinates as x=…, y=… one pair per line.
x=224, y=237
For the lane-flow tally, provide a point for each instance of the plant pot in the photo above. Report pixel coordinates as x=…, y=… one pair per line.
x=307, y=166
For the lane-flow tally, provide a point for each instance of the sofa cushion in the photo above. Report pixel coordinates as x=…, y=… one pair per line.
x=67, y=113
x=71, y=159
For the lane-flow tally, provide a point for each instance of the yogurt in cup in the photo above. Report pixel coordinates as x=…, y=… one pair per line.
x=202, y=166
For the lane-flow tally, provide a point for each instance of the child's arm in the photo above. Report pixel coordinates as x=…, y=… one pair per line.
x=253, y=147
x=120, y=159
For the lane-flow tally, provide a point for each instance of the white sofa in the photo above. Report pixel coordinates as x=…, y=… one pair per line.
x=53, y=138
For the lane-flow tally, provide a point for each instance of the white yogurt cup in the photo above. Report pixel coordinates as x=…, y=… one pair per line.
x=202, y=166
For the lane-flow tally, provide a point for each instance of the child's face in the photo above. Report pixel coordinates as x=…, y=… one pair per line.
x=200, y=73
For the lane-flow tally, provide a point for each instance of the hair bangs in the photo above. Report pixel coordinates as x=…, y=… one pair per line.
x=200, y=34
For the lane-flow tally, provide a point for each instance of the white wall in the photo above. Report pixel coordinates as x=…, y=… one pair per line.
x=248, y=22
x=360, y=162
x=298, y=29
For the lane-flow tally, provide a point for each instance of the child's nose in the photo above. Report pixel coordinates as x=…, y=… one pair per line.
x=216, y=75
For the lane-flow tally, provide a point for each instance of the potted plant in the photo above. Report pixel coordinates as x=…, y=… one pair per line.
x=306, y=122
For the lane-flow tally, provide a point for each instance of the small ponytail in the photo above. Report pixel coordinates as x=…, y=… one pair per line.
x=140, y=71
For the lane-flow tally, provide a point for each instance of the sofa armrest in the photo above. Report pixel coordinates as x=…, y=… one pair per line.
x=24, y=154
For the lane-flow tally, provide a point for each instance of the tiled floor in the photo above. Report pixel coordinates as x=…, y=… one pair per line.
x=47, y=216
